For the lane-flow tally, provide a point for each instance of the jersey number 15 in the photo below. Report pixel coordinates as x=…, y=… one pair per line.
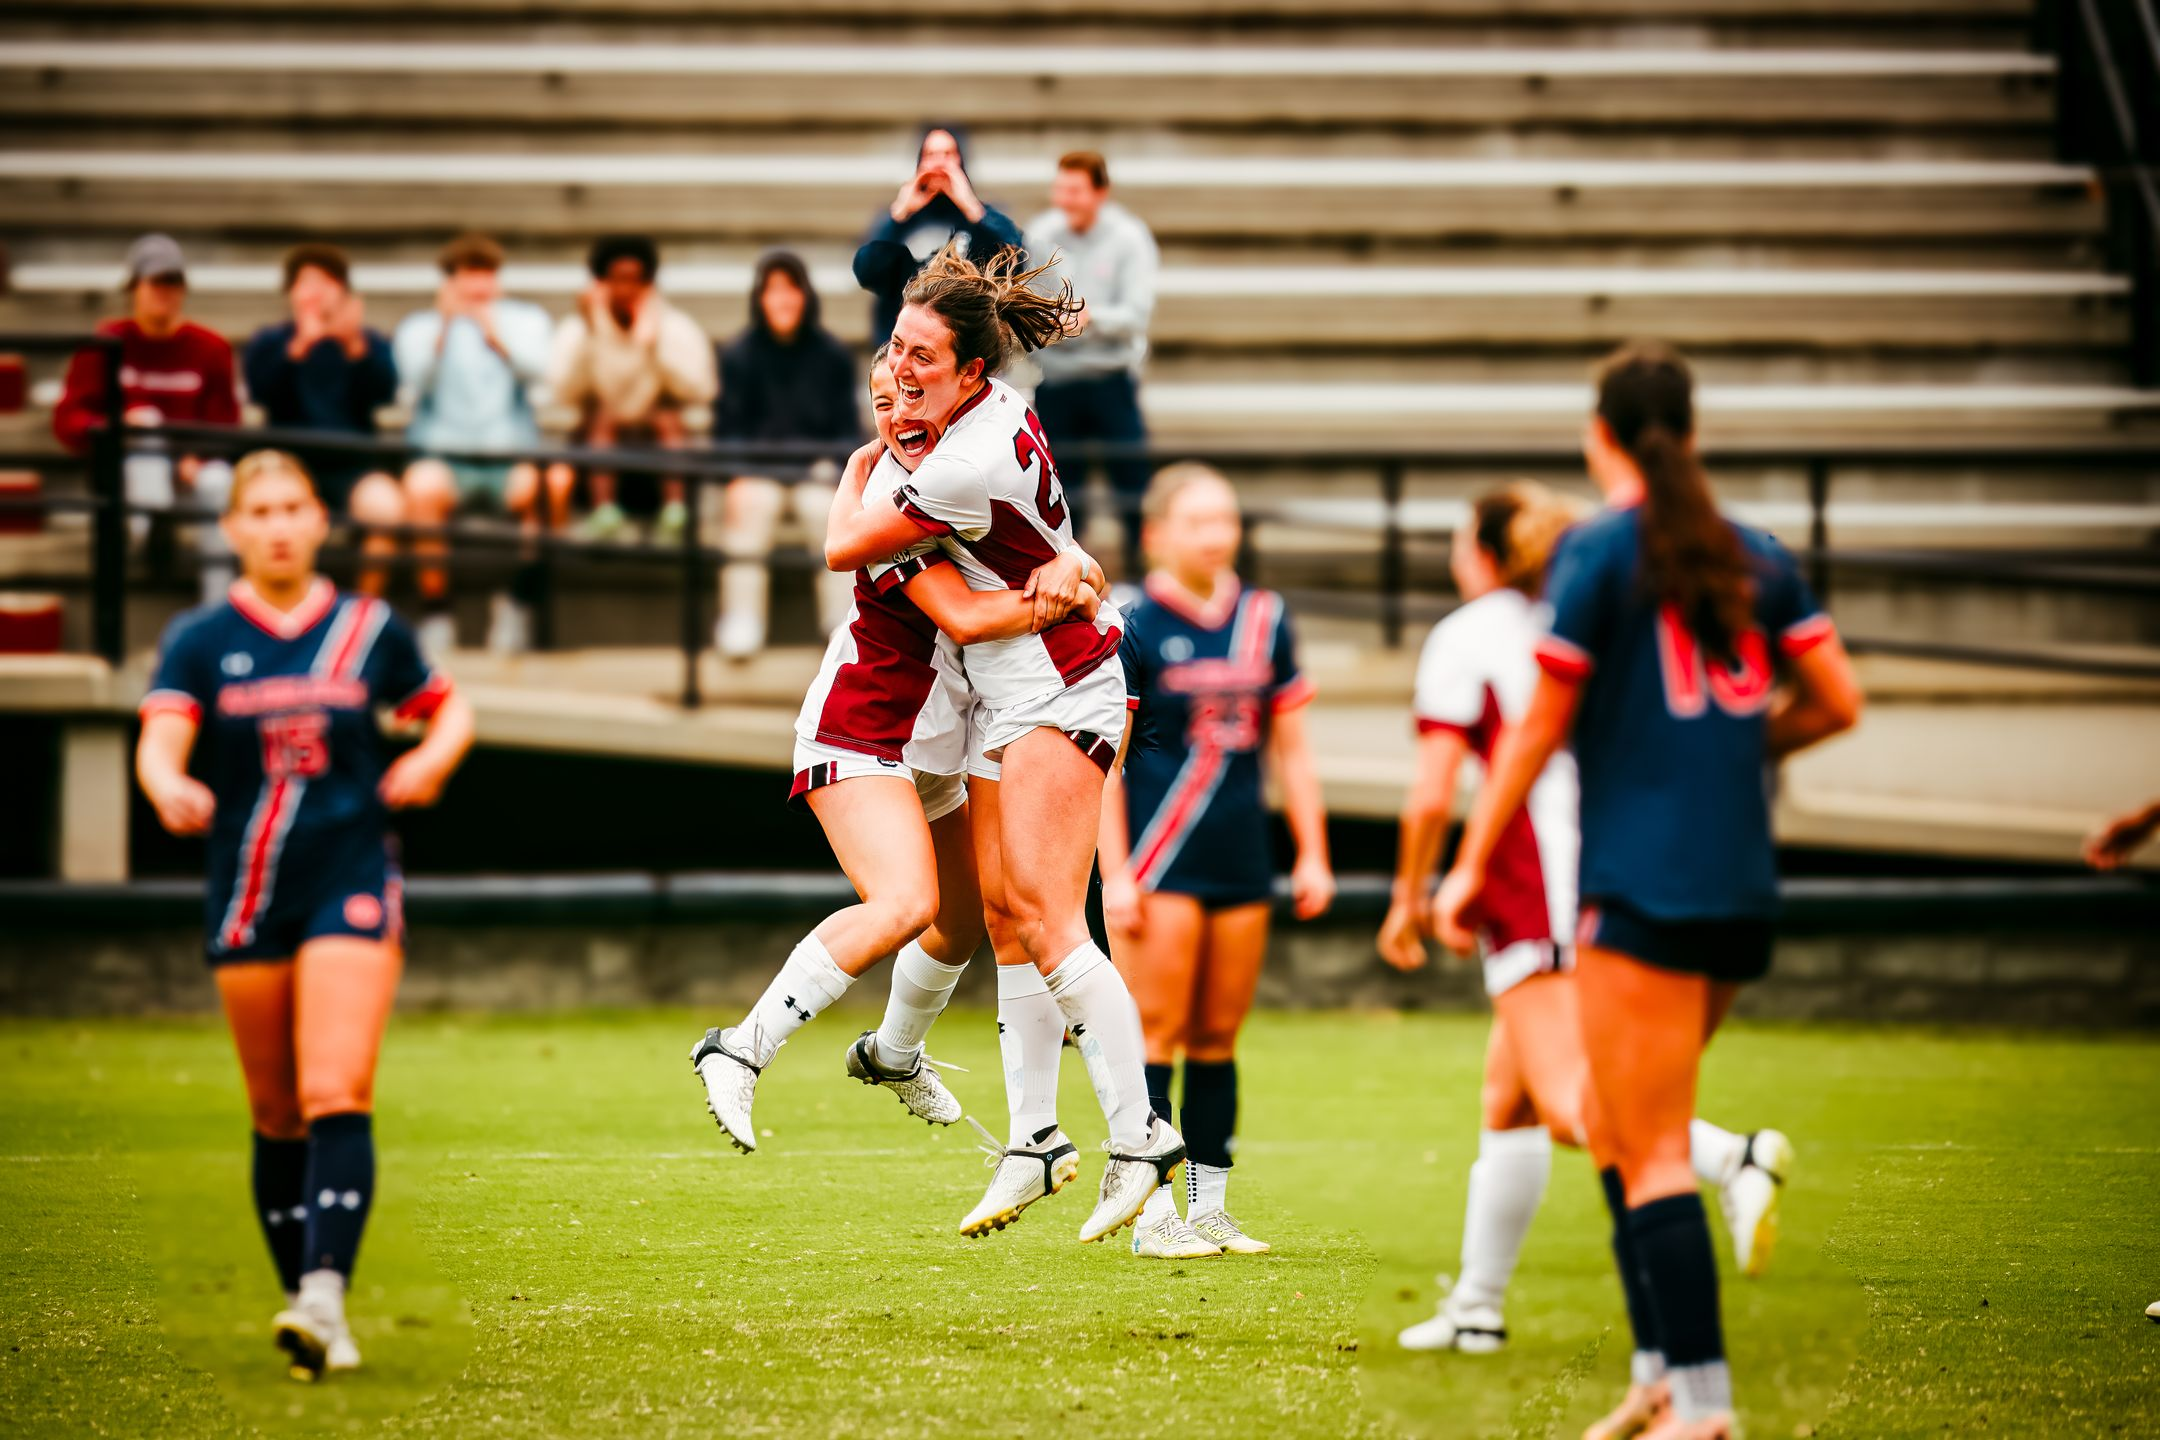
x=295, y=745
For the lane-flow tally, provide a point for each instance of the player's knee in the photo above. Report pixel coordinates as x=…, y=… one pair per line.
x=1210, y=1044
x=903, y=916
x=278, y=1116
x=336, y=1094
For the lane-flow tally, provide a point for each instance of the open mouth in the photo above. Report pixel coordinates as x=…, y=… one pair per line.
x=909, y=392
x=913, y=438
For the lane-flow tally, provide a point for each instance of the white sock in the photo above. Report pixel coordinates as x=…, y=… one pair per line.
x=1207, y=1188
x=1701, y=1390
x=322, y=1291
x=1506, y=1185
x=1162, y=1202
x=1031, y=1037
x=1646, y=1367
x=1716, y=1154
x=808, y=983
x=1106, y=1025
x=921, y=986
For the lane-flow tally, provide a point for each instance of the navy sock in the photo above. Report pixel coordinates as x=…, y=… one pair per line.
x=1634, y=1284
x=1672, y=1237
x=280, y=1180
x=1158, y=1091
x=340, y=1185
x=1210, y=1111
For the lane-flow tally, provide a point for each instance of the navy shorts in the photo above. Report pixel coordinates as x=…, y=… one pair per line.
x=257, y=912
x=1734, y=950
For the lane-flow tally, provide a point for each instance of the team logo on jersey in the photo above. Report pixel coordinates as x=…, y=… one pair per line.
x=1176, y=649
x=237, y=663
x=363, y=912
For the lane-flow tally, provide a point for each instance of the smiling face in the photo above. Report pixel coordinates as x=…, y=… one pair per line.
x=275, y=526
x=920, y=354
x=909, y=438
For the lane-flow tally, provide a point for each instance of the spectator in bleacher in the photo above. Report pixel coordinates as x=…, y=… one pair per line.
x=784, y=378
x=632, y=364
x=935, y=204
x=1091, y=384
x=325, y=369
x=467, y=365
x=171, y=371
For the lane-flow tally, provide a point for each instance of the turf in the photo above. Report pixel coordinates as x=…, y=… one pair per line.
x=562, y=1247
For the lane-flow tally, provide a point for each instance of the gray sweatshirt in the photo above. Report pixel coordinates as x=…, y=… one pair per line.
x=1112, y=267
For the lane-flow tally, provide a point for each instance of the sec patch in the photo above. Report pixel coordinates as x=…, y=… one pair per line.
x=363, y=912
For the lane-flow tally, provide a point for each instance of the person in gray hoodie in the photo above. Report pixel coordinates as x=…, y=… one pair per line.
x=1090, y=387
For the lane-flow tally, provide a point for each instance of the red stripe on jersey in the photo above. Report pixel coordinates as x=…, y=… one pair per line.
x=902, y=571
x=906, y=500
x=876, y=697
x=1561, y=659
x=285, y=624
x=171, y=702
x=353, y=644
x=425, y=701
x=1181, y=808
x=1299, y=691
x=1428, y=726
x=255, y=869
x=1806, y=635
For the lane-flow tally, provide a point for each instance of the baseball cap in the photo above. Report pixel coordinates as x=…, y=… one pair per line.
x=151, y=255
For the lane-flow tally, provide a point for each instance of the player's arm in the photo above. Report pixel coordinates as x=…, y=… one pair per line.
x=417, y=777
x=1518, y=759
x=184, y=804
x=1073, y=581
x=1823, y=700
x=971, y=616
x=1423, y=829
x=1312, y=879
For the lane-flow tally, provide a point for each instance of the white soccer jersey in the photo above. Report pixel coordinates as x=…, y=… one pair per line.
x=891, y=685
x=990, y=493
x=1476, y=675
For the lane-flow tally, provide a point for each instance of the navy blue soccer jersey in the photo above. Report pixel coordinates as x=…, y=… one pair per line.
x=1204, y=682
x=286, y=702
x=1669, y=742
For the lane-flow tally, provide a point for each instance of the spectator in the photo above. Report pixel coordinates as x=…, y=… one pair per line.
x=784, y=378
x=467, y=365
x=171, y=370
x=325, y=370
x=631, y=363
x=1091, y=384
x=935, y=204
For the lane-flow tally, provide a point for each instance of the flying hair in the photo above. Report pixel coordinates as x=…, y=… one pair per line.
x=991, y=306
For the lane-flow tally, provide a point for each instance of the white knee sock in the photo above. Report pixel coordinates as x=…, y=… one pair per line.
x=1506, y=1185
x=921, y=987
x=1106, y=1026
x=1716, y=1154
x=1207, y=1188
x=808, y=983
x=1031, y=1035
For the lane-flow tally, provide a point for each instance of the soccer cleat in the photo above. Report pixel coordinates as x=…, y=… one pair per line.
x=2152, y=1311
x=1128, y=1180
x=305, y=1338
x=1458, y=1324
x=1645, y=1406
x=730, y=1085
x=919, y=1089
x=1168, y=1237
x=1217, y=1226
x=1021, y=1176
x=1750, y=1200
x=343, y=1354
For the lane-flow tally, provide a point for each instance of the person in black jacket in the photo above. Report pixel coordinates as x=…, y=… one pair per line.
x=785, y=378
x=935, y=204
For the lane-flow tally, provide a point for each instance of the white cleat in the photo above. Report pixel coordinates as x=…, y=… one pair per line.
x=920, y=1089
x=730, y=1082
x=2152, y=1311
x=1021, y=1176
x=1218, y=1226
x=1458, y=1325
x=1128, y=1180
x=1750, y=1200
x=1168, y=1237
x=343, y=1354
x=309, y=1329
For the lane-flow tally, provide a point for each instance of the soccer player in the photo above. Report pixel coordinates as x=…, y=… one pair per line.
x=1671, y=628
x=880, y=759
x=1475, y=676
x=1187, y=877
x=1052, y=707
x=280, y=682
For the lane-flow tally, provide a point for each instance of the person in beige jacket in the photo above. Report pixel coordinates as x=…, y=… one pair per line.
x=632, y=364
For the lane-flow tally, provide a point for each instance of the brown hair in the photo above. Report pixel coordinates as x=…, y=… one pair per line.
x=256, y=464
x=988, y=306
x=1518, y=525
x=315, y=255
x=1691, y=559
x=470, y=251
x=1089, y=163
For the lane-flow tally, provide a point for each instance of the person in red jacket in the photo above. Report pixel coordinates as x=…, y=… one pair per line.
x=172, y=371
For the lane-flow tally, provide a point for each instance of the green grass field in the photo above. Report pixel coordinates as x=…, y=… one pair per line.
x=562, y=1247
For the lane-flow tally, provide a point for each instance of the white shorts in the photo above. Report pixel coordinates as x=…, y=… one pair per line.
x=1091, y=713
x=1509, y=967
x=818, y=764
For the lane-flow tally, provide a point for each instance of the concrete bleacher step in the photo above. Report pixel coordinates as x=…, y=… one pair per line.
x=569, y=85
x=2005, y=13
x=831, y=197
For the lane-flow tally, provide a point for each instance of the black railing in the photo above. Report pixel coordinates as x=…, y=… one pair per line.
x=2107, y=80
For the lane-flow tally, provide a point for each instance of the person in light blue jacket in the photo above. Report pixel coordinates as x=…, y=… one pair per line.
x=467, y=367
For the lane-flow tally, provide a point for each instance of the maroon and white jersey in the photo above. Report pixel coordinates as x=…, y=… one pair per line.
x=1475, y=675
x=892, y=684
x=990, y=494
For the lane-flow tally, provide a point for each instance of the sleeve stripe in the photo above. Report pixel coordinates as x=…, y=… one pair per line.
x=1805, y=635
x=1562, y=659
x=171, y=702
x=1426, y=725
x=1132, y=702
x=912, y=508
x=1299, y=691
x=902, y=571
x=425, y=701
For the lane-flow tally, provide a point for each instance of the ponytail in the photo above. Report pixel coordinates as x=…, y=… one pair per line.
x=1691, y=559
x=990, y=306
